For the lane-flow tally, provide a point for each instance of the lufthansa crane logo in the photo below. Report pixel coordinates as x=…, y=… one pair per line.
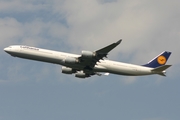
x=161, y=60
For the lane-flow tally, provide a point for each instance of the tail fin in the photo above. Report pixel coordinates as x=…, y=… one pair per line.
x=158, y=61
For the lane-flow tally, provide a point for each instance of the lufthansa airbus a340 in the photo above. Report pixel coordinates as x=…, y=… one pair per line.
x=91, y=63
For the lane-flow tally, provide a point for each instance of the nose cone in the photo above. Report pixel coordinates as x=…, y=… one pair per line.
x=6, y=49
x=10, y=50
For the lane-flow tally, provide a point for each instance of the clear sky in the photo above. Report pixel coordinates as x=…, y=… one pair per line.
x=31, y=90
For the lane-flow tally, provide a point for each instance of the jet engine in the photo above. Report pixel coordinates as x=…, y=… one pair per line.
x=81, y=75
x=88, y=54
x=67, y=70
x=71, y=60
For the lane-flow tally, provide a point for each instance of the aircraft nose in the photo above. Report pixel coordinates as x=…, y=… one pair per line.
x=7, y=49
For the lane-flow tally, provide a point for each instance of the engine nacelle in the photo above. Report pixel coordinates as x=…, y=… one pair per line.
x=81, y=75
x=70, y=60
x=88, y=54
x=67, y=70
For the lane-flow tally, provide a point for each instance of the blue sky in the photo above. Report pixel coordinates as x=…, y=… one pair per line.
x=35, y=90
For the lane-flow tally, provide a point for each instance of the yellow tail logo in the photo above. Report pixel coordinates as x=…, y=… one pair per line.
x=161, y=60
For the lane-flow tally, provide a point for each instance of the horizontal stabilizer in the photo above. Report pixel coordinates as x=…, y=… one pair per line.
x=162, y=74
x=161, y=68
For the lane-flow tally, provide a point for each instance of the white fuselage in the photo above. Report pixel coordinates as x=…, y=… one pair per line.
x=59, y=57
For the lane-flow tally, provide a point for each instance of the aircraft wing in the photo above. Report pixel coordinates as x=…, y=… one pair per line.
x=104, y=51
x=89, y=59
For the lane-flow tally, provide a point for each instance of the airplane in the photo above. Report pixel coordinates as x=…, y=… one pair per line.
x=91, y=63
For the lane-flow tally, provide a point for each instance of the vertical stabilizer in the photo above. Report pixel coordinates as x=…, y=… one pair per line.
x=159, y=60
